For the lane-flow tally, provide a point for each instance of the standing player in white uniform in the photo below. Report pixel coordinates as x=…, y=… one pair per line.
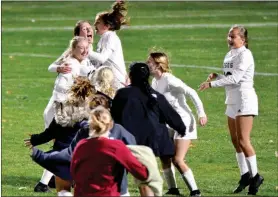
x=75, y=58
x=109, y=48
x=175, y=91
x=242, y=104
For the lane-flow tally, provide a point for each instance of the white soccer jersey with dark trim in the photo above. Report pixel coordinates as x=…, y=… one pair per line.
x=238, y=73
x=176, y=92
x=110, y=53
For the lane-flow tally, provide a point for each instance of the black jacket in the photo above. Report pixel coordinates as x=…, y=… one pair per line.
x=131, y=109
x=62, y=135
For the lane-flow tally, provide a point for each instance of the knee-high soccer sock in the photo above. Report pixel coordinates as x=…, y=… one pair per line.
x=252, y=164
x=189, y=180
x=169, y=175
x=242, y=164
x=46, y=176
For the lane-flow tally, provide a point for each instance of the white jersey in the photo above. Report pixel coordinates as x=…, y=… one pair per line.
x=176, y=92
x=238, y=68
x=110, y=53
x=88, y=62
x=64, y=82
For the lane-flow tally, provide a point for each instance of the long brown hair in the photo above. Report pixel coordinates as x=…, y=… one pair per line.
x=116, y=17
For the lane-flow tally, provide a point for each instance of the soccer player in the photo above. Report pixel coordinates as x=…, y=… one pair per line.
x=109, y=47
x=175, y=91
x=75, y=59
x=242, y=104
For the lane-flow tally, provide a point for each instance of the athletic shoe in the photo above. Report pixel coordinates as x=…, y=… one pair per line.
x=255, y=183
x=243, y=182
x=40, y=187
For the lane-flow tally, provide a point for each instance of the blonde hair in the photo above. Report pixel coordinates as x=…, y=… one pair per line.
x=100, y=121
x=243, y=33
x=161, y=60
x=67, y=114
x=103, y=81
x=72, y=45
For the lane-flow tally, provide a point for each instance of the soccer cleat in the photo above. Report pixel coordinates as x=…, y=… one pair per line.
x=173, y=191
x=255, y=183
x=195, y=193
x=40, y=187
x=243, y=182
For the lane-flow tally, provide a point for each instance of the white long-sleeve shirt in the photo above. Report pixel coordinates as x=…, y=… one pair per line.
x=176, y=92
x=238, y=68
x=110, y=53
x=87, y=62
x=64, y=82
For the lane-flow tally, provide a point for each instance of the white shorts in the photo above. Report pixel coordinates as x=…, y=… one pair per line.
x=191, y=129
x=247, y=105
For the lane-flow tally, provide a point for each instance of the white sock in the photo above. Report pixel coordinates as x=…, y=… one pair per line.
x=169, y=175
x=46, y=176
x=252, y=164
x=242, y=164
x=189, y=179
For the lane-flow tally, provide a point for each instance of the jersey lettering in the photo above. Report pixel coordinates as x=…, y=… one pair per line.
x=228, y=65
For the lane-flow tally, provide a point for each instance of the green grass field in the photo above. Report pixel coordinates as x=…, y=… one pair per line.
x=34, y=34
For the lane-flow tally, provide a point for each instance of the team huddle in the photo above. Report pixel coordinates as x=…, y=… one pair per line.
x=106, y=121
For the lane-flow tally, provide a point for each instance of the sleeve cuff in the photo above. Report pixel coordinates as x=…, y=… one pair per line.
x=213, y=84
x=201, y=114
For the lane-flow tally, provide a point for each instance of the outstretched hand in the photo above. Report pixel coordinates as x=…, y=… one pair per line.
x=205, y=85
x=27, y=142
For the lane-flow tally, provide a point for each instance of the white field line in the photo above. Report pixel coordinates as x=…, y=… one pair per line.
x=142, y=27
x=193, y=26
x=128, y=62
x=181, y=39
x=38, y=44
x=182, y=15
